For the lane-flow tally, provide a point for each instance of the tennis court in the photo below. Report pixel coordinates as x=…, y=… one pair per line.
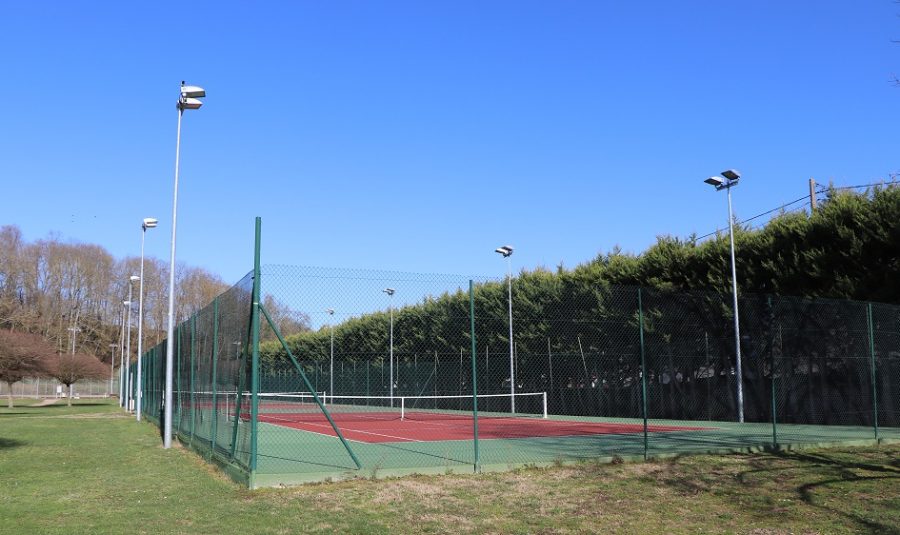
x=401, y=386
x=305, y=454
x=371, y=422
x=409, y=438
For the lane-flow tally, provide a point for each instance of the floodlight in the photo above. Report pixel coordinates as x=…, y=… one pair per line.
x=714, y=181
x=389, y=291
x=505, y=250
x=192, y=91
x=190, y=104
x=126, y=303
x=149, y=222
x=330, y=311
x=731, y=174
x=134, y=278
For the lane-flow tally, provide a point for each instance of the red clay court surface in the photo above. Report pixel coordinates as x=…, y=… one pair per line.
x=428, y=427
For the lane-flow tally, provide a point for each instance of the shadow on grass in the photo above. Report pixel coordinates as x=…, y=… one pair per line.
x=806, y=474
x=844, y=472
x=8, y=443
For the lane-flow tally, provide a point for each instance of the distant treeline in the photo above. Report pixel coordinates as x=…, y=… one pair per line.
x=54, y=289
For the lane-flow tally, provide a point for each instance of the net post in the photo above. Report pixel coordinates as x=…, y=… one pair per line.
x=643, y=370
x=477, y=466
x=402, y=408
x=872, y=367
x=545, y=405
x=215, y=359
x=309, y=386
x=254, y=360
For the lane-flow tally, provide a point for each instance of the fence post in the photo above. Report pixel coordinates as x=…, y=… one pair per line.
x=474, y=374
x=193, y=365
x=772, y=373
x=872, y=367
x=643, y=371
x=179, y=405
x=254, y=362
x=214, y=434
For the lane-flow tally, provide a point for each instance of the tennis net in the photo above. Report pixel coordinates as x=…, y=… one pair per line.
x=299, y=406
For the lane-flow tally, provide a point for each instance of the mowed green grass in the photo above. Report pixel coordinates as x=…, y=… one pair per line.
x=90, y=469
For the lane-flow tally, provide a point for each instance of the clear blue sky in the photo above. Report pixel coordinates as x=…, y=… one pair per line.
x=419, y=136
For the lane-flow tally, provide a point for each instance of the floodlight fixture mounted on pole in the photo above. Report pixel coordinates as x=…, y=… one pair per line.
x=507, y=251
x=330, y=312
x=188, y=100
x=731, y=177
x=148, y=222
x=390, y=292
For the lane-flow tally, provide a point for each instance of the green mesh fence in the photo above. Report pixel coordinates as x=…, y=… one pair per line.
x=211, y=368
x=366, y=373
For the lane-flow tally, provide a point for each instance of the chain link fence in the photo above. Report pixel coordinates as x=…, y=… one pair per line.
x=368, y=373
x=37, y=387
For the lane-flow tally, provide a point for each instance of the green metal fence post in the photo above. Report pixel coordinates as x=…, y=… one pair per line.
x=254, y=362
x=193, y=366
x=643, y=371
x=238, y=401
x=214, y=434
x=872, y=368
x=772, y=373
x=474, y=375
x=178, y=404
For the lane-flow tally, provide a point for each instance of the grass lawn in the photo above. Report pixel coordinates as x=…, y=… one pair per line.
x=90, y=469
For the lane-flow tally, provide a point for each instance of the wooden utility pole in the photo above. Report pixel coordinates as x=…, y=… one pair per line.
x=812, y=195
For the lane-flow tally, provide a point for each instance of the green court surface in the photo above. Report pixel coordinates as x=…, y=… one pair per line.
x=289, y=456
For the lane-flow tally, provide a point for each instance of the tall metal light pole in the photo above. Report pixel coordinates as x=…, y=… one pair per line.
x=390, y=292
x=148, y=222
x=75, y=330
x=507, y=251
x=112, y=367
x=189, y=100
x=731, y=178
x=125, y=305
x=131, y=281
x=330, y=312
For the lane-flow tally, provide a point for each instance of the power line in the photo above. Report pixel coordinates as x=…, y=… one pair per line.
x=824, y=189
x=820, y=189
x=757, y=216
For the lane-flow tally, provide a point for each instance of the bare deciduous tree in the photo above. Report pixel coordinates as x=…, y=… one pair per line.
x=289, y=322
x=21, y=355
x=69, y=369
x=60, y=290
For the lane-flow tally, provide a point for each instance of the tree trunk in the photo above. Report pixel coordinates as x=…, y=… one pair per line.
x=69, y=395
x=9, y=403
